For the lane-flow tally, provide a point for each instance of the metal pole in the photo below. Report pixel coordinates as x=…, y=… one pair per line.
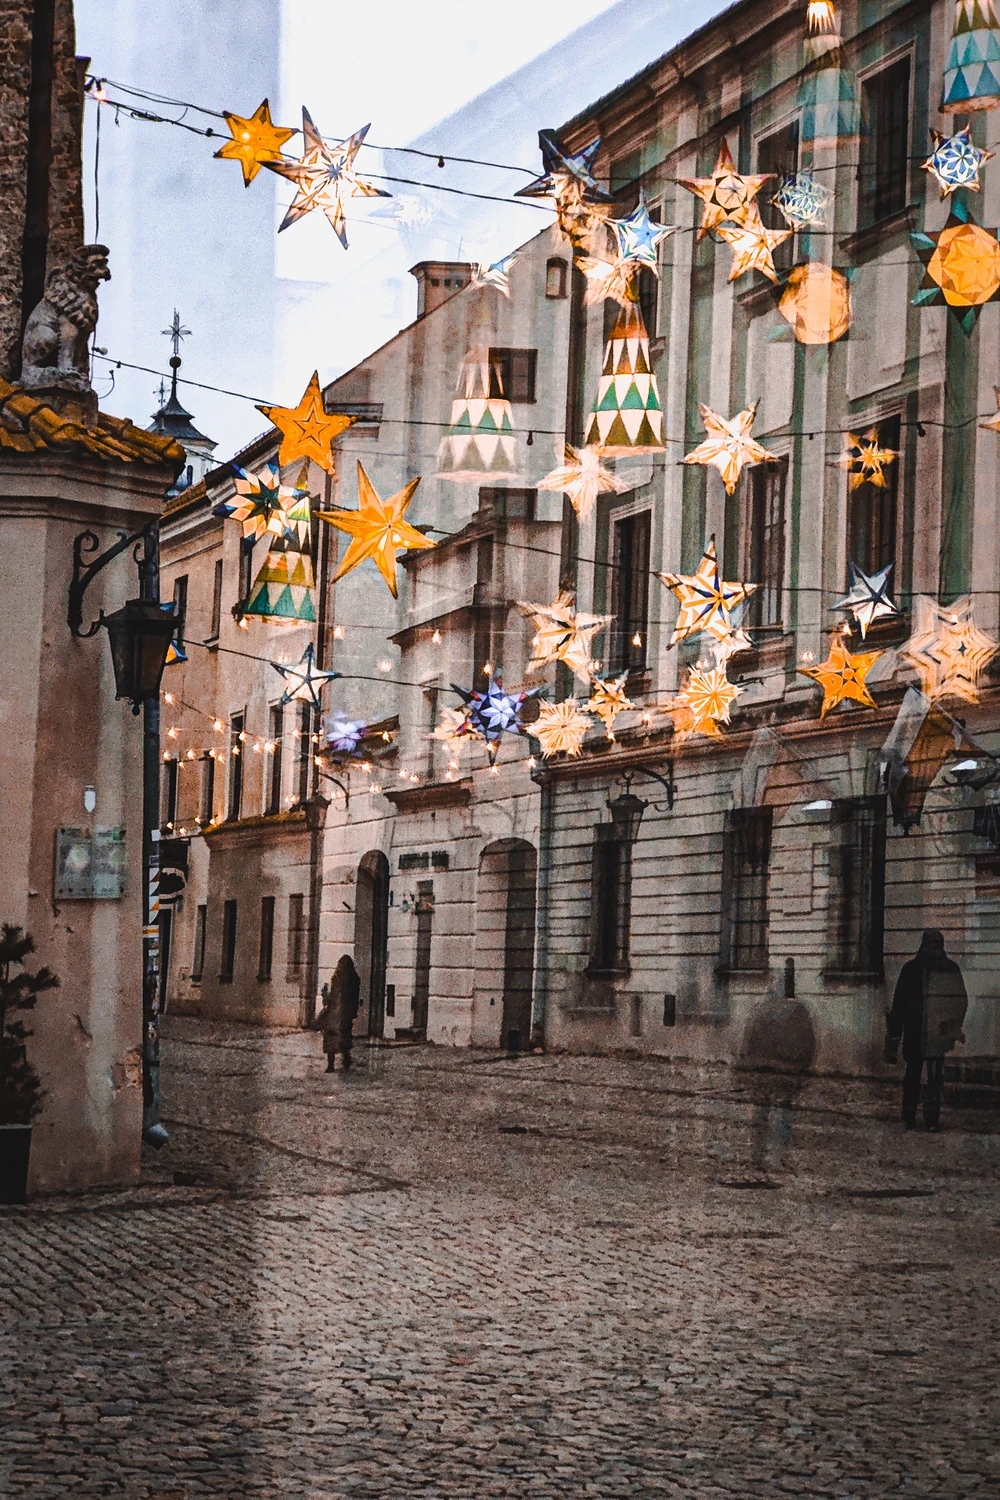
x=545, y=827
x=317, y=821
x=152, y=1131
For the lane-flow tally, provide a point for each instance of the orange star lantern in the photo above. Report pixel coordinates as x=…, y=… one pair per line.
x=865, y=461
x=817, y=303
x=842, y=676
x=752, y=245
x=255, y=141
x=307, y=431
x=377, y=529
x=726, y=194
x=704, y=702
x=948, y=650
x=961, y=267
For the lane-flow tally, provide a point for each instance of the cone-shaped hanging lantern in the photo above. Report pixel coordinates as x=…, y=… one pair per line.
x=972, y=72
x=283, y=589
x=480, y=442
x=626, y=416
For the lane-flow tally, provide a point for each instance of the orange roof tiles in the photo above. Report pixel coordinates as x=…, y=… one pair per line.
x=27, y=425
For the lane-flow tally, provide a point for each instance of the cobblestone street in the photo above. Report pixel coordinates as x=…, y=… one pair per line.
x=458, y=1274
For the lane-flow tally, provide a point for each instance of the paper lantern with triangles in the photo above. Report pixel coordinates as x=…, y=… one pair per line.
x=283, y=589
x=972, y=71
x=480, y=442
x=627, y=416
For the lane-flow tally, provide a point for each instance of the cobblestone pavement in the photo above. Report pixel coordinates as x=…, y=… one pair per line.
x=455, y=1274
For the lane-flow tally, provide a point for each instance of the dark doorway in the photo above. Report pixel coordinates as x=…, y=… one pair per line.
x=506, y=933
x=371, y=936
x=422, y=968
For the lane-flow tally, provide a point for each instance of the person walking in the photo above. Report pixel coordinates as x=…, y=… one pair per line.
x=341, y=1002
x=928, y=1009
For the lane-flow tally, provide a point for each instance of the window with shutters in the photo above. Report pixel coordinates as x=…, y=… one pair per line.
x=512, y=374
x=884, y=148
x=629, y=593
x=857, y=885
x=611, y=901
x=746, y=859
x=873, y=508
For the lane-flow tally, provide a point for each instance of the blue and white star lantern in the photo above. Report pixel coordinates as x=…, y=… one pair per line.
x=493, y=713
x=344, y=736
x=305, y=680
x=561, y=169
x=802, y=200
x=495, y=273
x=638, y=236
x=955, y=162
x=868, y=599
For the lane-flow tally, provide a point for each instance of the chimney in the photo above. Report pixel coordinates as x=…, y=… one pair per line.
x=437, y=280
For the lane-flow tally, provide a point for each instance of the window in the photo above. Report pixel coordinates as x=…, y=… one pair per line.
x=857, y=885
x=885, y=143
x=180, y=609
x=746, y=857
x=872, y=508
x=764, y=541
x=198, y=959
x=649, y=300
x=512, y=373
x=778, y=153
x=482, y=633
x=207, y=788
x=266, y=937
x=303, y=768
x=236, y=724
x=216, y=601
x=509, y=505
x=169, y=797
x=611, y=901
x=630, y=592
x=246, y=567
x=277, y=720
x=556, y=277
x=296, y=937
x=228, y=942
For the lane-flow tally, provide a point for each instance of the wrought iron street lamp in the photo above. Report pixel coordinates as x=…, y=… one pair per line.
x=140, y=634
x=626, y=813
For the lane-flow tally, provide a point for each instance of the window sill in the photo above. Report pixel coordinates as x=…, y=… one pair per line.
x=853, y=976
x=759, y=971
x=263, y=979
x=873, y=234
x=607, y=973
x=225, y=978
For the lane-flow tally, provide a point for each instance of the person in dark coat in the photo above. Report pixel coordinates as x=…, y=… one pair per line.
x=928, y=1009
x=779, y=1047
x=341, y=1002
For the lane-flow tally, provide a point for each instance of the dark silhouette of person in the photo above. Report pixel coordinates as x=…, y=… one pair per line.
x=341, y=1002
x=779, y=1046
x=928, y=1009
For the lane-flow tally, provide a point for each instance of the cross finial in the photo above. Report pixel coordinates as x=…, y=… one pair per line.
x=176, y=332
x=161, y=394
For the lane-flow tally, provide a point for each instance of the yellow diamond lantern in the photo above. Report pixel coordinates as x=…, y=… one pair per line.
x=961, y=267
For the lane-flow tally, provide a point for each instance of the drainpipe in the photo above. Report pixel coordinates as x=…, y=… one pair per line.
x=153, y=1132
x=317, y=804
x=546, y=824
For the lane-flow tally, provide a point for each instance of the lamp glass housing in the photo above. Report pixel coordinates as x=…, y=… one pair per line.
x=140, y=634
x=626, y=815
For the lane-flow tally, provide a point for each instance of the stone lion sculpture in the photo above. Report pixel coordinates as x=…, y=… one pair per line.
x=57, y=333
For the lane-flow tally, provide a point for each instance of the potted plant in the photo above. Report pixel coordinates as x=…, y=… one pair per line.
x=20, y=1087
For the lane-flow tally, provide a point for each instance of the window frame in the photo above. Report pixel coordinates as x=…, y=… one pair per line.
x=784, y=254
x=265, y=953
x=217, y=582
x=169, y=794
x=869, y=210
x=200, y=935
x=756, y=476
x=610, y=903
x=737, y=873
x=207, y=808
x=304, y=758
x=501, y=359
x=180, y=600
x=227, y=955
x=559, y=265
x=857, y=887
x=296, y=947
x=274, y=777
x=879, y=494
x=620, y=654
x=234, y=787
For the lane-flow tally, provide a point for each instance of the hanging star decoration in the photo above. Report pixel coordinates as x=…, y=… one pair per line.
x=948, y=650
x=563, y=634
x=323, y=176
x=752, y=245
x=961, y=266
x=608, y=699
x=706, y=602
x=607, y=280
x=582, y=477
x=560, y=728
x=344, y=736
x=262, y=501
x=993, y=423
x=305, y=680
x=730, y=640
x=377, y=529
x=639, y=237
x=175, y=653
x=581, y=203
x=868, y=598
x=492, y=713
x=955, y=162
x=801, y=200
x=726, y=194
x=255, y=140
x=816, y=301
x=729, y=446
x=495, y=273
x=842, y=676
x=453, y=726
x=307, y=431
x=704, y=702
x=865, y=461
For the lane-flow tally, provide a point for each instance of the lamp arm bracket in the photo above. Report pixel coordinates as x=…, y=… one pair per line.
x=84, y=573
x=667, y=783
x=325, y=776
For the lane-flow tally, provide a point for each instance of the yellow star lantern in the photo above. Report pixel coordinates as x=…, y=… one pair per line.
x=865, y=461
x=583, y=477
x=842, y=676
x=706, y=601
x=704, y=702
x=377, y=529
x=307, y=431
x=560, y=728
x=608, y=699
x=961, y=266
x=729, y=446
x=948, y=650
x=607, y=280
x=726, y=194
x=255, y=140
x=752, y=245
x=563, y=634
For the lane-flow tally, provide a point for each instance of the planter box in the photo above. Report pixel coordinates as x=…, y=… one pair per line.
x=15, y=1146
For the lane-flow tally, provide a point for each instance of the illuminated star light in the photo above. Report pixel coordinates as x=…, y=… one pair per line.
x=306, y=430
x=255, y=141
x=706, y=601
x=726, y=194
x=729, y=446
x=322, y=177
x=492, y=713
x=948, y=650
x=607, y=280
x=582, y=205
x=842, y=676
x=377, y=529
x=583, y=477
x=608, y=699
x=563, y=634
x=344, y=736
x=865, y=461
x=495, y=273
x=262, y=502
x=305, y=680
x=704, y=702
x=560, y=728
x=868, y=599
x=638, y=236
x=961, y=267
x=955, y=162
x=752, y=245
x=801, y=200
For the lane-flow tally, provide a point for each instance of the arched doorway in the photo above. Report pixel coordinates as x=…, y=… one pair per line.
x=371, y=935
x=507, y=875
